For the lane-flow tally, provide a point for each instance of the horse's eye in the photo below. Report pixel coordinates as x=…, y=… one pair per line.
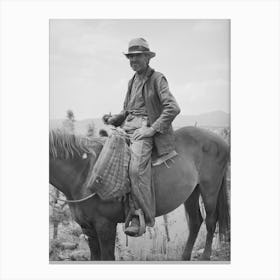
x=84, y=156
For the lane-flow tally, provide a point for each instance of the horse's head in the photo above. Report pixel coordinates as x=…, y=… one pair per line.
x=71, y=157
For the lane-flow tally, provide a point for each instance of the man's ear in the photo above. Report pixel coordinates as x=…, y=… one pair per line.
x=147, y=58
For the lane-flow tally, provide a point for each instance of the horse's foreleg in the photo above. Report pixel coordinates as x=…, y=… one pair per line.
x=106, y=231
x=93, y=243
x=195, y=221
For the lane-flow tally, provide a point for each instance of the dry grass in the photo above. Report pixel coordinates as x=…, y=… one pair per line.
x=152, y=246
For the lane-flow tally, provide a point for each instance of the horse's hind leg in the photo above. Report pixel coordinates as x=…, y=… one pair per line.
x=195, y=221
x=210, y=203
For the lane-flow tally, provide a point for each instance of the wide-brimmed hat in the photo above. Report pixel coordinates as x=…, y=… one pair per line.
x=139, y=45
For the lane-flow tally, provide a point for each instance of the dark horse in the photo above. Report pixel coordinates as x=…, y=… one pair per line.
x=199, y=169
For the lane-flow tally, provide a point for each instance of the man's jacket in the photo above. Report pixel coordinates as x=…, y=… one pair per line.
x=161, y=108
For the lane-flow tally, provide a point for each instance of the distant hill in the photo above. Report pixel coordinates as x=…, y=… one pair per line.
x=211, y=119
x=81, y=126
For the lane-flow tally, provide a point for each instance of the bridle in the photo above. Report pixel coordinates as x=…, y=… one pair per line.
x=74, y=200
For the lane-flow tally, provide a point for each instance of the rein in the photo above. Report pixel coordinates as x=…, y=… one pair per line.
x=74, y=200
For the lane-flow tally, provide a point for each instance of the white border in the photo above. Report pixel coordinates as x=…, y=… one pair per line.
x=255, y=138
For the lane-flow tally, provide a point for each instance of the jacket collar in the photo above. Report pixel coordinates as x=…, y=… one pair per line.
x=148, y=74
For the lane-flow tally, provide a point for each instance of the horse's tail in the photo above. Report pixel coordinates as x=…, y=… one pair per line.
x=223, y=210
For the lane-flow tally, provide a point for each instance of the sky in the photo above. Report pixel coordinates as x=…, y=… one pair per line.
x=89, y=73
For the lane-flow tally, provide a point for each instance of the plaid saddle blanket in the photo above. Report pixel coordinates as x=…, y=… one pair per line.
x=109, y=175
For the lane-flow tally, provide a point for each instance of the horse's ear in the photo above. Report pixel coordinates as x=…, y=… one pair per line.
x=103, y=133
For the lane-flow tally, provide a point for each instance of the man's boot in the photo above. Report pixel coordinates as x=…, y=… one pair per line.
x=134, y=227
x=137, y=225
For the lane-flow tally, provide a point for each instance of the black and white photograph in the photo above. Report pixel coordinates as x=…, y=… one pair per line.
x=139, y=140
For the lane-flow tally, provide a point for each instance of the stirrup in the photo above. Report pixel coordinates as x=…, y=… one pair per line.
x=142, y=224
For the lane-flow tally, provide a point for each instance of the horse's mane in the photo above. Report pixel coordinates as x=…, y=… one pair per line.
x=65, y=145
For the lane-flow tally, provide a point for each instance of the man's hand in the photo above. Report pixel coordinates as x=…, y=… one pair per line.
x=143, y=132
x=106, y=118
x=110, y=119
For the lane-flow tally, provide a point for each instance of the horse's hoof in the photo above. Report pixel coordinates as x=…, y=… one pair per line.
x=186, y=257
x=204, y=258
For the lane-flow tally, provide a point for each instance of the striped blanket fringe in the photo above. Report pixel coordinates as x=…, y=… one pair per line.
x=109, y=176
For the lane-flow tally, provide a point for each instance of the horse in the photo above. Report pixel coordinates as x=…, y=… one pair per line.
x=199, y=169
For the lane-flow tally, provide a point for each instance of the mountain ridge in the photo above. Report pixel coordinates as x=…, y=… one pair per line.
x=209, y=119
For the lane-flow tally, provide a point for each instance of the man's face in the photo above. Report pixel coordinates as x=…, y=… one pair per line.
x=138, y=62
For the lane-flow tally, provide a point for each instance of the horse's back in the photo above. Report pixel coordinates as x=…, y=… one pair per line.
x=202, y=144
x=191, y=136
x=201, y=154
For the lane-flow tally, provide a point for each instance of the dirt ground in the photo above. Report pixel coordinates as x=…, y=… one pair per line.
x=71, y=244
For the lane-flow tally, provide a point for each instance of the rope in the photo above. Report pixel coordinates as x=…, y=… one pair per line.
x=75, y=200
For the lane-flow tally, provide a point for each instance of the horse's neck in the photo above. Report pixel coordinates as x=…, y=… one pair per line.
x=54, y=182
x=68, y=176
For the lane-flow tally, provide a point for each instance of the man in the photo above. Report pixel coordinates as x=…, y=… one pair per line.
x=149, y=109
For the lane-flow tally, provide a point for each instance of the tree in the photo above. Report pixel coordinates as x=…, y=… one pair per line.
x=69, y=123
x=70, y=115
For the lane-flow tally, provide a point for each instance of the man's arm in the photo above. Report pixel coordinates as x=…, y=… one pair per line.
x=170, y=106
x=169, y=112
